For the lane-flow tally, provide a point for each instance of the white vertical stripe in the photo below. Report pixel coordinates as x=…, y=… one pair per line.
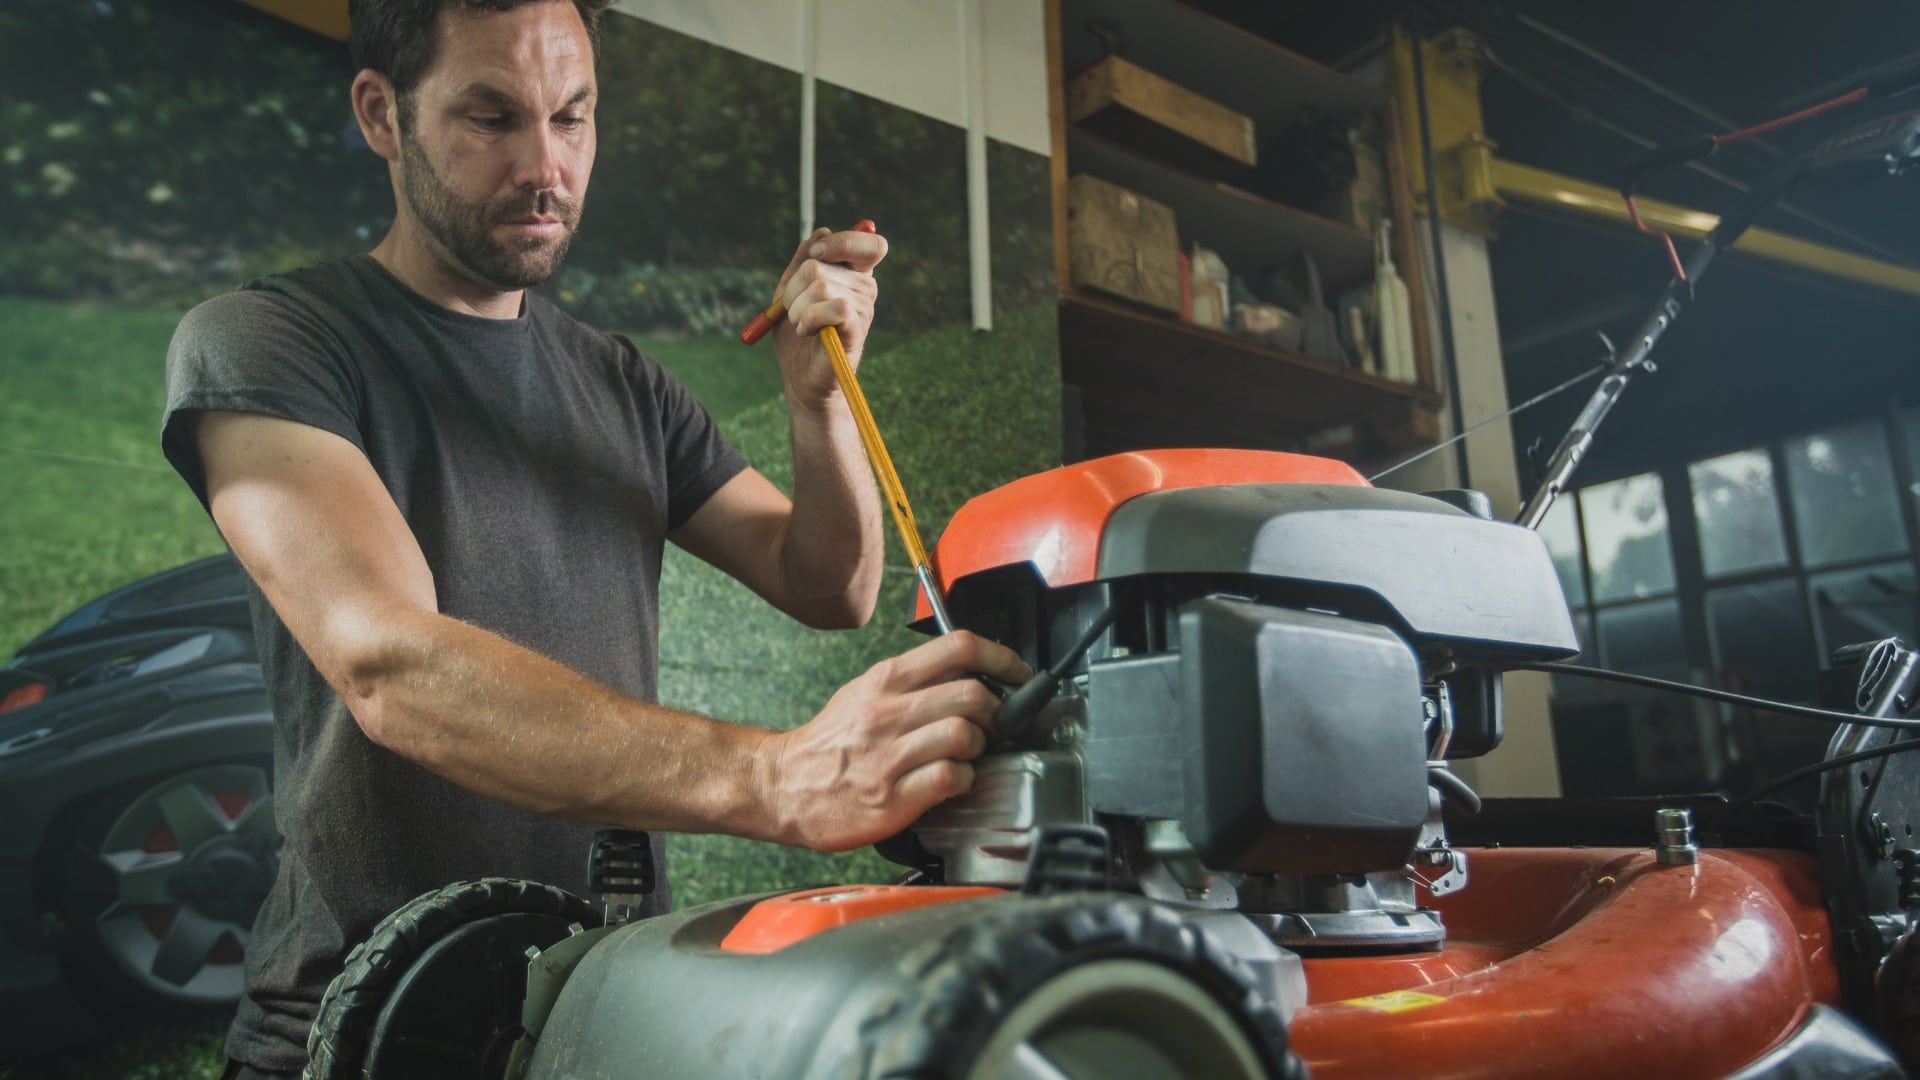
x=809, y=15
x=973, y=100
x=899, y=51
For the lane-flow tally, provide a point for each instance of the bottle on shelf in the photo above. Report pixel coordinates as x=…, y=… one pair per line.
x=1393, y=313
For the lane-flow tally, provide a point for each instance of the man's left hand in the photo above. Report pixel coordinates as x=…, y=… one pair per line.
x=829, y=282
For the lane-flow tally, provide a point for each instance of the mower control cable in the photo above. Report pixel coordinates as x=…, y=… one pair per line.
x=1727, y=696
x=1899, y=745
x=1818, y=767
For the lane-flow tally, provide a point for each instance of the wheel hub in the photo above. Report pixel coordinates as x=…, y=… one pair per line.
x=226, y=878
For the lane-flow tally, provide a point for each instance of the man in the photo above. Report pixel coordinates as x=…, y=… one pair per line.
x=452, y=499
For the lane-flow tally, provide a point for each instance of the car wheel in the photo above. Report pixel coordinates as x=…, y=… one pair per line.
x=162, y=881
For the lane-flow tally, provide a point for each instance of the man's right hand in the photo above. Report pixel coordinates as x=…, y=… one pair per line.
x=890, y=745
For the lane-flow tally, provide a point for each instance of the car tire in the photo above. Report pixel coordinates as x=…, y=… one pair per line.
x=158, y=881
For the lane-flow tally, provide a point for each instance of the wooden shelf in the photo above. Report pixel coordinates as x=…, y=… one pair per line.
x=1240, y=70
x=1147, y=380
x=1251, y=233
x=1143, y=379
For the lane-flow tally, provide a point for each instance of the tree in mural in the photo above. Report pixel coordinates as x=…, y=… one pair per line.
x=159, y=150
x=153, y=148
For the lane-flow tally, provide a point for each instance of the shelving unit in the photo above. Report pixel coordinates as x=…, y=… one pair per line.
x=1245, y=229
x=1145, y=379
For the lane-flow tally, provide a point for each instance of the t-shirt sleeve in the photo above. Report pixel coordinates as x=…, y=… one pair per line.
x=699, y=458
x=254, y=352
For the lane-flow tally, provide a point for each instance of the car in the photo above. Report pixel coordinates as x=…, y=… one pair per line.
x=136, y=749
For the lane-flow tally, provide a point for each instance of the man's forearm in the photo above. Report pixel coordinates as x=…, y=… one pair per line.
x=832, y=553
x=515, y=726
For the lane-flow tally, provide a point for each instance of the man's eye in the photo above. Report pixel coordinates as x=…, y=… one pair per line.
x=492, y=122
x=570, y=123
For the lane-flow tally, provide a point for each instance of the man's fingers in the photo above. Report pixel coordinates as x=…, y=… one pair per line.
x=856, y=250
x=965, y=699
x=935, y=782
x=799, y=256
x=811, y=318
x=816, y=282
x=950, y=656
x=954, y=737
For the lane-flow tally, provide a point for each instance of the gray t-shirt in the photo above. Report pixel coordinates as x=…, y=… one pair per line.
x=540, y=464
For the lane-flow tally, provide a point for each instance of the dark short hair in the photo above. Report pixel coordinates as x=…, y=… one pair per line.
x=395, y=37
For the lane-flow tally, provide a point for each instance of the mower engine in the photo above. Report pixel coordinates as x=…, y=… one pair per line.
x=1290, y=659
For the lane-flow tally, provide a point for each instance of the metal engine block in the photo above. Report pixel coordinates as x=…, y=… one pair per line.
x=1264, y=725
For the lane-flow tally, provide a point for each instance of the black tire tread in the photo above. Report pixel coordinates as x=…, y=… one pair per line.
x=969, y=979
x=337, y=1043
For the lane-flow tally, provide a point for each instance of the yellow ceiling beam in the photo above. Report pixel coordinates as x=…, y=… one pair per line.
x=328, y=17
x=1524, y=183
x=1473, y=185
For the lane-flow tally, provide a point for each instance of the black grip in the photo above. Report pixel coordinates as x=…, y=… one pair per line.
x=621, y=862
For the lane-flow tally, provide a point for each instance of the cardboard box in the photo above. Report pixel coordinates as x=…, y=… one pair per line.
x=1122, y=244
x=1361, y=202
x=1409, y=426
x=1160, y=119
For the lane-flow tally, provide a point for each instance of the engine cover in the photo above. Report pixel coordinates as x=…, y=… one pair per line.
x=1301, y=736
x=1486, y=589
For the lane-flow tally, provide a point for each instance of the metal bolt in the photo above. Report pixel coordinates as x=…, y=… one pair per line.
x=1879, y=834
x=1673, y=833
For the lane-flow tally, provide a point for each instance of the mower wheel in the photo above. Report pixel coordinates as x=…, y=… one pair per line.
x=436, y=989
x=1084, y=985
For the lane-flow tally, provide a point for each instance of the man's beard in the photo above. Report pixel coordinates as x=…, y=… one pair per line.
x=464, y=230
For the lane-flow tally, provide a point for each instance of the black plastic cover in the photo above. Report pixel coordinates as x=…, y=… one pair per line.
x=1303, y=740
x=1486, y=588
x=1479, y=715
x=1135, y=737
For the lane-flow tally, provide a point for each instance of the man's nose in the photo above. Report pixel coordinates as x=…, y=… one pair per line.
x=538, y=166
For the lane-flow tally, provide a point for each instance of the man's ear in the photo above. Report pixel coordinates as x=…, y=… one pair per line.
x=377, y=109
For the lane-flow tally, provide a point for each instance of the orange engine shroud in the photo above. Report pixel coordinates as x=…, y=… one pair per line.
x=1055, y=519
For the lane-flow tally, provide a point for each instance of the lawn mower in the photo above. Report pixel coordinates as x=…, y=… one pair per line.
x=1220, y=836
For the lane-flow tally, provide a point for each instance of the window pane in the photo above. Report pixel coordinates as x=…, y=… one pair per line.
x=1864, y=605
x=1622, y=740
x=1626, y=523
x=1762, y=644
x=1643, y=638
x=1843, y=500
x=1738, y=510
x=1561, y=530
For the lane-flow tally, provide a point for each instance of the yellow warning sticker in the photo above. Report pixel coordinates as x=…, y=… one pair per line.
x=1396, y=1002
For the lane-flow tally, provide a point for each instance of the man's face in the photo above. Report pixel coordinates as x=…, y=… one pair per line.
x=497, y=141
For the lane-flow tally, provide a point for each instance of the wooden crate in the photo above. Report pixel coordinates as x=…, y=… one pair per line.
x=1359, y=203
x=1122, y=244
x=1145, y=112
